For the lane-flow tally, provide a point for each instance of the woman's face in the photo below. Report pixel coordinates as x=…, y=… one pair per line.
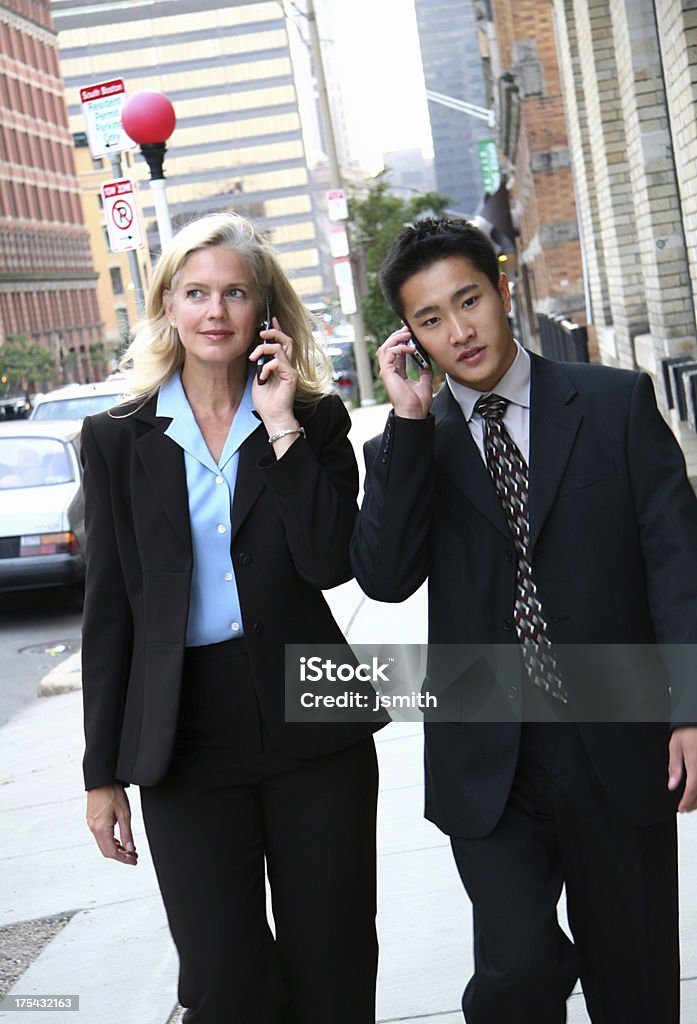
x=215, y=307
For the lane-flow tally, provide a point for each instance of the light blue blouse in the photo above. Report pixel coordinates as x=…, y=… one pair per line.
x=214, y=608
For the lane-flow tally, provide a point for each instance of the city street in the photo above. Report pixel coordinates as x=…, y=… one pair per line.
x=115, y=952
x=38, y=630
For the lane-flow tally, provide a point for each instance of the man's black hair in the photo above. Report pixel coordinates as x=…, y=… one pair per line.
x=424, y=243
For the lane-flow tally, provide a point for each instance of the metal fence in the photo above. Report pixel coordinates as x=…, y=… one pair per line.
x=563, y=340
x=680, y=379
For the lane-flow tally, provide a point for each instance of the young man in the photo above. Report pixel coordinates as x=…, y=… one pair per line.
x=558, y=532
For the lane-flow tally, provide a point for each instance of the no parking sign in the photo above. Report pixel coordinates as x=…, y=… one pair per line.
x=122, y=216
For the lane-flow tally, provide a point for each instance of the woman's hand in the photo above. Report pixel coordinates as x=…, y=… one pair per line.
x=410, y=399
x=108, y=806
x=274, y=392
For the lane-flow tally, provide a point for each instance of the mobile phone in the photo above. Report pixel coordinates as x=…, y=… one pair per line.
x=419, y=354
x=266, y=325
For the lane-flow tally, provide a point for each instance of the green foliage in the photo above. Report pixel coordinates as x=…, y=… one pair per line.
x=377, y=217
x=26, y=363
x=98, y=355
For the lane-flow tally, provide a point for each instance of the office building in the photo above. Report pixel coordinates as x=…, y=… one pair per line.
x=452, y=67
x=227, y=70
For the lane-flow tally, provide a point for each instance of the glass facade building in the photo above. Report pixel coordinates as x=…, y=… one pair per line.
x=238, y=142
x=452, y=66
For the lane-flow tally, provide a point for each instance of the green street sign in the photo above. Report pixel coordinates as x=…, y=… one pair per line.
x=489, y=166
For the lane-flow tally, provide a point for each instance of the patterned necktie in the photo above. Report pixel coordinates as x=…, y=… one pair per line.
x=509, y=472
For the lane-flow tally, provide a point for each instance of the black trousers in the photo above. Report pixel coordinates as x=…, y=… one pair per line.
x=232, y=804
x=560, y=828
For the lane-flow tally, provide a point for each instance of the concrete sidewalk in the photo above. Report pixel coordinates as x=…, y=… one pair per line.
x=116, y=952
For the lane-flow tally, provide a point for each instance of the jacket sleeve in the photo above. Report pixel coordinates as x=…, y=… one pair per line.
x=107, y=630
x=315, y=485
x=666, y=508
x=390, y=549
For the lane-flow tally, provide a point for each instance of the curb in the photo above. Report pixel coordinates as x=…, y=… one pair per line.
x=64, y=678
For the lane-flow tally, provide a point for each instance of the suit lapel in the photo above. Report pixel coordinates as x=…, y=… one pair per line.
x=250, y=482
x=554, y=423
x=163, y=462
x=458, y=458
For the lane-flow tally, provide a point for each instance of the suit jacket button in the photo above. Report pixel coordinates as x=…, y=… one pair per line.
x=245, y=559
x=512, y=692
x=258, y=628
x=508, y=625
x=508, y=555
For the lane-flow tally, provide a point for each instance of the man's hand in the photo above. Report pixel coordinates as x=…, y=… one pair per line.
x=683, y=759
x=411, y=399
x=106, y=807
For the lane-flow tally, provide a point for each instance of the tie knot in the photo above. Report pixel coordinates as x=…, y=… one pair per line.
x=491, y=407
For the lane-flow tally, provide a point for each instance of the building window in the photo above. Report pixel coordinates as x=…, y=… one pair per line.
x=116, y=280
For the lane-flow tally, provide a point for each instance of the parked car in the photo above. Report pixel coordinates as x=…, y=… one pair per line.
x=75, y=401
x=344, y=375
x=42, y=513
x=14, y=404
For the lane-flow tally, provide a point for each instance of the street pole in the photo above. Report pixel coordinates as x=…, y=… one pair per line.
x=360, y=349
x=133, y=265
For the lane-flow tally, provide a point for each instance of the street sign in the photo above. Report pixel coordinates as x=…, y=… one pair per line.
x=489, y=166
x=338, y=242
x=101, y=108
x=122, y=217
x=337, y=205
x=344, y=283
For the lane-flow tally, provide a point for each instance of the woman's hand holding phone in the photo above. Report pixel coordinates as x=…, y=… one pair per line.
x=411, y=399
x=275, y=383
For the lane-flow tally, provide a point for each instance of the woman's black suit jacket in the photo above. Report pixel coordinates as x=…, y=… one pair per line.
x=291, y=524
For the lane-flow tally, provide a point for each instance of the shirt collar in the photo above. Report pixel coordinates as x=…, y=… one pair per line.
x=513, y=386
x=172, y=402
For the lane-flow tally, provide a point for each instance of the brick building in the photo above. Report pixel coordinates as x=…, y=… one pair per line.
x=47, y=281
x=629, y=77
x=517, y=43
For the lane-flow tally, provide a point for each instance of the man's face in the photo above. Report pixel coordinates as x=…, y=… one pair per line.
x=460, y=319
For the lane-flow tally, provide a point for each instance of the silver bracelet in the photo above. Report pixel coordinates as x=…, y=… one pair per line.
x=284, y=433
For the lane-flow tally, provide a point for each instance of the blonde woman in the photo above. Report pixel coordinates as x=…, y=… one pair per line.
x=219, y=504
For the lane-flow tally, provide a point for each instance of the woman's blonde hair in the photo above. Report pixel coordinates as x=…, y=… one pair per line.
x=156, y=352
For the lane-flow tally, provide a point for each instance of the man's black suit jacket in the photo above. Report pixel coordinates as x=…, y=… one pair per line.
x=291, y=524
x=613, y=535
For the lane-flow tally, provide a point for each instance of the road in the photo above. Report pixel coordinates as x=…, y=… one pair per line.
x=38, y=629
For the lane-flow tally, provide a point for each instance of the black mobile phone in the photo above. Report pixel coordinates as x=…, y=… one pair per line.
x=266, y=325
x=419, y=354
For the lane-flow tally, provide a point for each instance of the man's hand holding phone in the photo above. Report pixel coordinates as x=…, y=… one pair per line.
x=411, y=399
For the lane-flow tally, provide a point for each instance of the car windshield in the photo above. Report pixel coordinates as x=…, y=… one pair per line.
x=75, y=408
x=33, y=462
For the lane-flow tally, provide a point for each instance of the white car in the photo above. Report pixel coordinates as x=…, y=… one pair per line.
x=75, y=401
x=42, y=512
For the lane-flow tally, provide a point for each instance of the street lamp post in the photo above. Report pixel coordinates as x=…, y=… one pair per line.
x=149, y=119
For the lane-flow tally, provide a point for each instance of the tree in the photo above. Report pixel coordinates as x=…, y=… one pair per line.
x=26, y=363
x=377, y=217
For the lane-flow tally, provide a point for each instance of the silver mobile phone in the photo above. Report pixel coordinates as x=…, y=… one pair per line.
x=266, y=324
